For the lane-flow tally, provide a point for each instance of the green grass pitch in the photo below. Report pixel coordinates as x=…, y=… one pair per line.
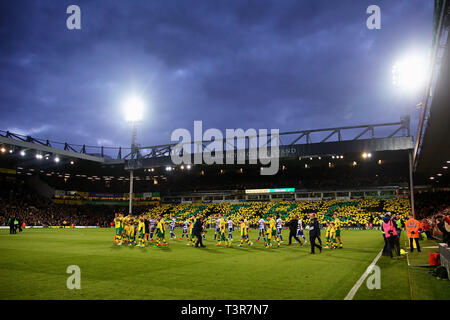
x=33, y=266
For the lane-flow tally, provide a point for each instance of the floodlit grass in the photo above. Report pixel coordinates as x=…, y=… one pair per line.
x=33, y=266
x=398, y=281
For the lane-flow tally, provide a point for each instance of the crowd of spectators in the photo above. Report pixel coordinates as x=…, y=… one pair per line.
x=58, y=215
x=358, y=213
x=19, y=202
x=431, y=203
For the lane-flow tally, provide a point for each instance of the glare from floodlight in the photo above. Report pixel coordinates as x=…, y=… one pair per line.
x=56, y=159
x=134, y=109
x=188, y=166
x=22, y=153
x=3, y=150
x=410, y=73
x=71, y=162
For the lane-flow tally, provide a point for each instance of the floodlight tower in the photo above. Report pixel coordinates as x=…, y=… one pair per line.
x=134, y=109
x=410, y=75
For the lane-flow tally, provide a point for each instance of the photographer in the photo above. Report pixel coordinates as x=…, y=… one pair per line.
x=391, y=235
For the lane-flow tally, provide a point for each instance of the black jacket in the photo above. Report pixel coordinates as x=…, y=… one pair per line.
x=198, y=228
x=293, y=225
x=314, y=228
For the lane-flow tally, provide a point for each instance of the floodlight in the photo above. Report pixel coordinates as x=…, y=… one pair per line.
x=134, y=109
x=188, y=166
x=56, y=159
x=22, y=153
x=410, y=72
x=3, y=150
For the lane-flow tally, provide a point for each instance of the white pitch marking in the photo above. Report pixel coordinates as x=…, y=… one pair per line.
x=358, y=284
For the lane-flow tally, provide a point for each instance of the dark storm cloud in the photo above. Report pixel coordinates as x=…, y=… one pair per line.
x=262, y=64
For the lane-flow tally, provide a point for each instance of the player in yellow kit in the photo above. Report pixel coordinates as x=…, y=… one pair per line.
x=337, y=226
x=141, y=232
x=244, y=233
x=327, y=235
x=131, y=231
x=118, y=224
x=247, y=225
x=333, y=242
x=272, y=233
x=191, y=239
x=161, y=233
x=126, y=228
x=222, y=230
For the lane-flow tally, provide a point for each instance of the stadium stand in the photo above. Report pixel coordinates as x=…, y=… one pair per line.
x=18, y=200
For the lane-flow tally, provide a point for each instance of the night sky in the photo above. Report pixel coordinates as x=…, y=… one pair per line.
x=282, y=64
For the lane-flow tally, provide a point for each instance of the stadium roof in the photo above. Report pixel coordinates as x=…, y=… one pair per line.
x=433, y=141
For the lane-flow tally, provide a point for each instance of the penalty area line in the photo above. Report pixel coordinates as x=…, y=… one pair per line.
x=358, y=283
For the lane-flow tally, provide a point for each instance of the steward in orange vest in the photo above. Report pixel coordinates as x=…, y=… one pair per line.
x=412, y=229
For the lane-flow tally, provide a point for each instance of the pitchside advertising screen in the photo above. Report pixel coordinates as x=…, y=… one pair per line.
x=276, y=190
